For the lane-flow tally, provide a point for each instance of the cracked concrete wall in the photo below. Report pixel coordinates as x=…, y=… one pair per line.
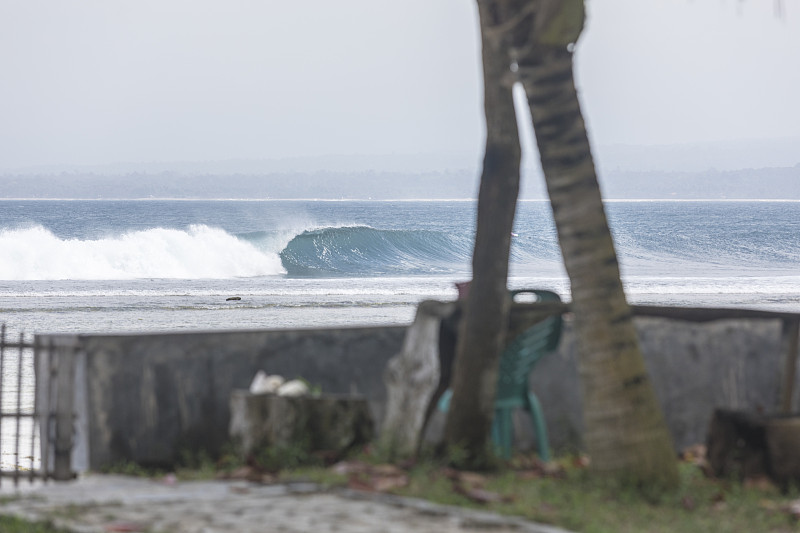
x=152, y=397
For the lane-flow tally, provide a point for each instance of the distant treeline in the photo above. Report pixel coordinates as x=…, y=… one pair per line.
x=772, y=183
x=769, y=183
x=321, y=185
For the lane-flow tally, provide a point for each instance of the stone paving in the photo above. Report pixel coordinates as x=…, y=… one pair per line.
x=106, y=503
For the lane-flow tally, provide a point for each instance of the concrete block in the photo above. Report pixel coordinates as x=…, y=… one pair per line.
x=330, y=423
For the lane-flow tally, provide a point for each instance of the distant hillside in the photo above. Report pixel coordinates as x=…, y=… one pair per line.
x=771, y=183
x=698, y=157
x=282, y=185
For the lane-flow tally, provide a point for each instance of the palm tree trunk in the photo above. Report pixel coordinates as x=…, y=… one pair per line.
x=625, y=432
x=485, y=317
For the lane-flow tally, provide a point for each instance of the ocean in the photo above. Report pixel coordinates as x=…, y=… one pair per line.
x=164, y=265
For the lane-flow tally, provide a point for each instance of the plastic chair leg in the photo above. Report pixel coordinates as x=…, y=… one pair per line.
x=503, y=431
x=444, y=401
x=537, y=416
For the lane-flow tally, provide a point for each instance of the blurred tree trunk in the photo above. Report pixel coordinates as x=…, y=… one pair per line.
x=626, y=435
x=485, y=318
x=625, y=432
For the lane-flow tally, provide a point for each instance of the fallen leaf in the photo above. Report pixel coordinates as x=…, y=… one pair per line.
x=794, y=509
x=528, y=475
x=762, y=483
x=328, y=457
x=385, y=483
x=386, y=470
x=124, y=527
x=581, y=461
x=349, y=467
x=481, y=495
x=719, y=506
x=553, y=469
x=357, y=482
x=449, y=473
x=769, y=505
x=408, y=464
x=472, y=479
x=692, y=454
x=688, y=503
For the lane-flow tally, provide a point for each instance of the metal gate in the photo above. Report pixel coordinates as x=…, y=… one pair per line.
x=36, y=413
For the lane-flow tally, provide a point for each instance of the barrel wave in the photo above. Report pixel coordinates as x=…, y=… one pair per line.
x=366, y=251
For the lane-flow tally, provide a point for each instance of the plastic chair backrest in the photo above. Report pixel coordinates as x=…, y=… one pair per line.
x=522, y=353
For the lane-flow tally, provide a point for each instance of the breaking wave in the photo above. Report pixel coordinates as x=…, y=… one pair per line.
x=366, y=251
x=198, y=252
x=203, y=252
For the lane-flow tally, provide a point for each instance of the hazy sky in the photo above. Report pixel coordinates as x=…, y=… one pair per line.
x=95, y=82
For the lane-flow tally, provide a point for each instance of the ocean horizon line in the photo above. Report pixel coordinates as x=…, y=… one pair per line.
x=378, y=200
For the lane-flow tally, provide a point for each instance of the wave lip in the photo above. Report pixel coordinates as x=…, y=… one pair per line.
x=199, y=252
x=366, y=251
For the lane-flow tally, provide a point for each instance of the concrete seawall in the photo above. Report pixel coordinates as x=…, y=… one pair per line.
x=694, y=368
x=149, y=398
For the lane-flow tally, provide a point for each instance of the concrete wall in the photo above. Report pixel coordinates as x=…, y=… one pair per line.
x=150, y=397
x=153, y=397
x=694, y=368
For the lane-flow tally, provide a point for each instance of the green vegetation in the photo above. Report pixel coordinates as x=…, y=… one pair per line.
x=567, y=495
x=129, y=468
x=575, y=500
x=9, y=524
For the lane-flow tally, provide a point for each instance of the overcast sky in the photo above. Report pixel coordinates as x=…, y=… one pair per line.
x=96, y=82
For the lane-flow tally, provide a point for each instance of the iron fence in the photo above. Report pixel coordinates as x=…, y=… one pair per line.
x=21, y=450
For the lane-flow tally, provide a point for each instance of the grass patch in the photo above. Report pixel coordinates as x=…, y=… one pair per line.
x=568, y=495
x=580, y=502
x=129, y=468
x=12, y=524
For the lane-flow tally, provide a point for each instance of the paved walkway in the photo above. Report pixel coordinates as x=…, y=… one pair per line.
x=103, y=504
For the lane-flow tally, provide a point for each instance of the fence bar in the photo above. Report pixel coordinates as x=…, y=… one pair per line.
x=2, y=360
x=789, y=344
x=44, y=429
x=19, y=408
x=35, y=414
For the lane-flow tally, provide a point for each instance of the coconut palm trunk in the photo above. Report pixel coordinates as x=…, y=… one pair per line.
x=485, y=317
x=625, y=433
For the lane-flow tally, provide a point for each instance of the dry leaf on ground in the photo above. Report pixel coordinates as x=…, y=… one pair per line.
x=124, y=527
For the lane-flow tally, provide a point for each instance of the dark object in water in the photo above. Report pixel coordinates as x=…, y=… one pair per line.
x=233, y=298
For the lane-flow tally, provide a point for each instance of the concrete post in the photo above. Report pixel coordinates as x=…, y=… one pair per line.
x=55, y=389
x=789, y=337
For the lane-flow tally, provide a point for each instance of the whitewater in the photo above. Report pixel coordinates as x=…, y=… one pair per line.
x=119, y=266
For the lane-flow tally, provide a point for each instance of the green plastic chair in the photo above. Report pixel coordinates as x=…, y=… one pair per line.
x=516, y=363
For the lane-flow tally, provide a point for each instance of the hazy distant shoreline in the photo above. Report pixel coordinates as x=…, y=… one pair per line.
x=774, y=183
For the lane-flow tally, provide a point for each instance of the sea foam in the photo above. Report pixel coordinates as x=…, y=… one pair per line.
x=198, y=252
